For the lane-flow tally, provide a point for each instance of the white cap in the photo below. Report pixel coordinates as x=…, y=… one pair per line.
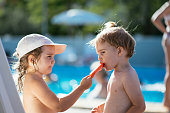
x=33, y=41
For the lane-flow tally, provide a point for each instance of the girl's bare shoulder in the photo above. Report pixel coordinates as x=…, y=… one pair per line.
x=32, y=78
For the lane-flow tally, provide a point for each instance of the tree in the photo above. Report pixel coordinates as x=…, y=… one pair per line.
x=20, y=17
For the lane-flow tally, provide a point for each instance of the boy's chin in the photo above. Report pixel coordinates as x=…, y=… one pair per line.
x=107, y=69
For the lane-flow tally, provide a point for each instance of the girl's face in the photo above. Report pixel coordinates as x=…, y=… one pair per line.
x=107, y=54
x=46, y=61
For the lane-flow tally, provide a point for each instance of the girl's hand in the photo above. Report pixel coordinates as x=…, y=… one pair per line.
x=86, y=82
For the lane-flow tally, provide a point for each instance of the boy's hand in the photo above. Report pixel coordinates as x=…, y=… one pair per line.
x=94, y=110
x=98, y=109
x=86, y=82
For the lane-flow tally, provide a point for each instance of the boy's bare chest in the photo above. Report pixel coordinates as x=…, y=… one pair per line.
x=115, y=85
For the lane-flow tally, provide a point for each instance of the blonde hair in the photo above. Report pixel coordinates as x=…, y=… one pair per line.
x=21, y=66
x=115, y=36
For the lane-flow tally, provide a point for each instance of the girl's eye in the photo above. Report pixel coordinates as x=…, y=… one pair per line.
x=49, y=57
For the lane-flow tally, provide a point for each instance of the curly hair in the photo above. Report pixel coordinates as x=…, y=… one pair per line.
x=117, y=37
x=21, y=66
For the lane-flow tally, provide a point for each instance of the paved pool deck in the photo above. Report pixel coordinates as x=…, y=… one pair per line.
x=85, y=106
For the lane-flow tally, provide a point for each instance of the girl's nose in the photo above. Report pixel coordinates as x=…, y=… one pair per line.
x=53, y=61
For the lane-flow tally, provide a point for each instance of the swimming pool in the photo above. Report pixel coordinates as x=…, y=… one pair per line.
x=70, y=76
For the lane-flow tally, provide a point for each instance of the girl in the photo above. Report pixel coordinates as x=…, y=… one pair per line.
x=36, y=58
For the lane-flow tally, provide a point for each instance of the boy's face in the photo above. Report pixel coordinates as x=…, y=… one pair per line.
x=107, y=54
x=46, y=61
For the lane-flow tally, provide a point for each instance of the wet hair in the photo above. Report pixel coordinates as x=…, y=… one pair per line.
x=116, y=36
x=21, y=65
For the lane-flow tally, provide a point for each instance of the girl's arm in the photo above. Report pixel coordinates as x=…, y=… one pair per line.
x=48, y=98
x=69, y=100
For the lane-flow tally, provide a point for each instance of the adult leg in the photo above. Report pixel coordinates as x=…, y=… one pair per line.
x=166, y=47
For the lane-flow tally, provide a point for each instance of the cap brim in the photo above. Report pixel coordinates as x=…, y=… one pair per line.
x=60, y=48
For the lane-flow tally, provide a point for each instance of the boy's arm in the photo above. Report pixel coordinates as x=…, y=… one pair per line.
x=48, y=98
x=132, y=88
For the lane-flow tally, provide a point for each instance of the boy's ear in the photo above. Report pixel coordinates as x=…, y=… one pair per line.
x=120, y=51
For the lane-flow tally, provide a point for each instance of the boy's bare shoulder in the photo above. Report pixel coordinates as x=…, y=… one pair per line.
x=131, y=81
x=129, y=75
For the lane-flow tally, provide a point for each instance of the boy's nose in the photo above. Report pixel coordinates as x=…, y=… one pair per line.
x=99, y=58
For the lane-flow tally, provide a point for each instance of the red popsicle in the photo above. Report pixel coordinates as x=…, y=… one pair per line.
x=99, y=68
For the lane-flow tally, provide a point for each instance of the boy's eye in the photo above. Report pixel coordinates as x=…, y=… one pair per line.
x=102, y=52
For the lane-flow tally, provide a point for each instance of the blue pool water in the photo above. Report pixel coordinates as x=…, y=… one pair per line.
x=70, y=76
